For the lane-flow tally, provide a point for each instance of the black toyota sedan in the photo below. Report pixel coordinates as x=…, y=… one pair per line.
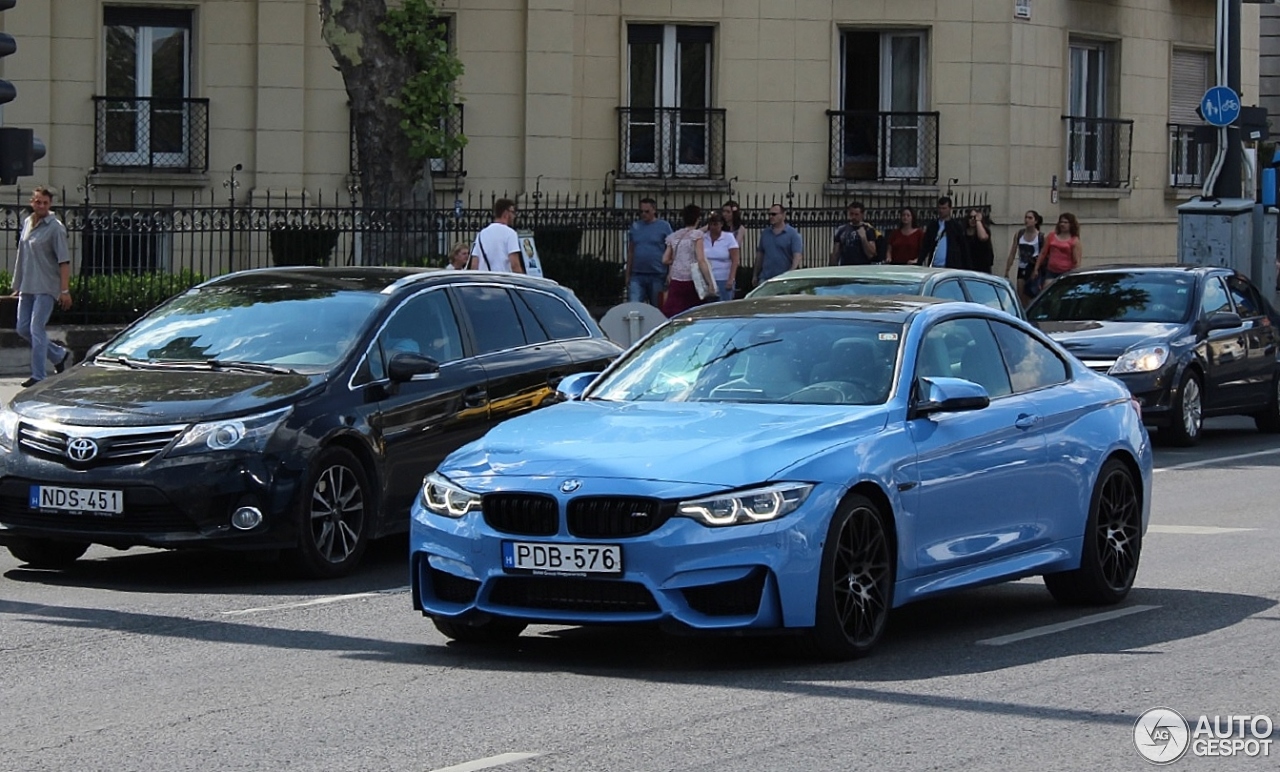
x=1189, y=341
x=293, y=409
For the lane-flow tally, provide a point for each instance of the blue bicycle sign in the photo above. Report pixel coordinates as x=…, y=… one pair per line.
x=1220, y=106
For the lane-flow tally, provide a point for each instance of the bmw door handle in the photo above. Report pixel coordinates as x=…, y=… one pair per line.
x=1027, y=421
x=475, y=396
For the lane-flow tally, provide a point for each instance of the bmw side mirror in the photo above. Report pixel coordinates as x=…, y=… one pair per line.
x=573, y=386
x=407, y=366
x=948, y=395
x=1223, y=320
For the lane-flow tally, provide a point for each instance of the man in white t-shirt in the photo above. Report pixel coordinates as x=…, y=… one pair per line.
x=497, y=248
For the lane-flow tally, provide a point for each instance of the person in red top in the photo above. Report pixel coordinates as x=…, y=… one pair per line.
x=1062, y=251
x=905, y=240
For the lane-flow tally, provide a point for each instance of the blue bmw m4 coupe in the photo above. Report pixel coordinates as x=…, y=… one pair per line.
x=798, y=464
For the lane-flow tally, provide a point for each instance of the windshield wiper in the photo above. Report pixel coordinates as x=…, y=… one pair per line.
x=129, y=362
x=255, y=367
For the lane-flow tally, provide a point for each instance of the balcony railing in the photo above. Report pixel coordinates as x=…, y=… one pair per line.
x=671, y=142
x=1188, y=155
x=440, y=167
x=1098, y=151
x=150, y=134
x=869, y=146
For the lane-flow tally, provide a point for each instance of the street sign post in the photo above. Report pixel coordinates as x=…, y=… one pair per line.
x=1220, y=106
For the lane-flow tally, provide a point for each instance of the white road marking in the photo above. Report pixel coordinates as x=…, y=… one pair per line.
x=1195, y=530
x=1218, y=460
x=492, y=761
x=314, y=602
x=1092, y=619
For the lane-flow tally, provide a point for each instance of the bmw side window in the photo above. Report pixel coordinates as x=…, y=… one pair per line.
x=949, y=290
x=1248, y=301
x=981, y=292
x=424, y=325
x=1032, y=365
x=493, y=318
x=964, y=348
x=1214, y=298
x=558, y=319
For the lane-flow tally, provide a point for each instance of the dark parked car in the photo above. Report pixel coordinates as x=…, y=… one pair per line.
x=286, y=408
x=1189, y=341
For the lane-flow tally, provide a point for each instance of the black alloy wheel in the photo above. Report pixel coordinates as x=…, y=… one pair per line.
x=335, y=516
x=47, y=553
x=1112, y=543
x=855, y=583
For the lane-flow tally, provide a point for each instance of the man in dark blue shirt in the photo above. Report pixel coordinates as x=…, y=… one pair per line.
x=646, y=243
x=781, y=247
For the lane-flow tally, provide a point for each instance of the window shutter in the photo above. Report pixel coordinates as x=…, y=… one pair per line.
x=1188, y=80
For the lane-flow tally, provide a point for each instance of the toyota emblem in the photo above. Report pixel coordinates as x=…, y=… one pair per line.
x=81, y=449
x=569, y=486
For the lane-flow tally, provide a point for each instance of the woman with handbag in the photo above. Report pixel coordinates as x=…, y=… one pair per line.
x=689, y=281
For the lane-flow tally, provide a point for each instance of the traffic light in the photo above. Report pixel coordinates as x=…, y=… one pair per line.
x=19, y=148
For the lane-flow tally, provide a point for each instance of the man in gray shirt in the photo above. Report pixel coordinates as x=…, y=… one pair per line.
x=41, y=278
x=781, y=247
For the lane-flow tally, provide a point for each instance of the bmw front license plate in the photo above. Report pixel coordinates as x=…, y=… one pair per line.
x=562, y=558
x=81, y=500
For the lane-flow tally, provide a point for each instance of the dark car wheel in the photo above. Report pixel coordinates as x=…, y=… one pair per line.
x=855, y=583
x=47, y=553
x=1187, y=417
x=335, y=516
x=491, y=632
x=1268, y=420
x=1112, y=543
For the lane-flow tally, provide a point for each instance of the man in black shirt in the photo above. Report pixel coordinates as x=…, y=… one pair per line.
x=856, y=242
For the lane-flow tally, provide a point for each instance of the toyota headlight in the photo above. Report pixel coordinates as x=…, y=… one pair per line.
x=8, y=428
x=1141, y=360
x=756, y=505
x=441, y=496
x=248, y=434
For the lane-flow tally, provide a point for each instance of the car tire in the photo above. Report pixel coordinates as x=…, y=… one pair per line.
x=489, y=633
x=855, y=583
x=1186, y=419
x=1112, y=543
x=47, y=553
x=1268, y=421
x=335, y=516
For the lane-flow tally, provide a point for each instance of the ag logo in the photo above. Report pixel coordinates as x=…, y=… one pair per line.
x=81, y=449
x=1161, y=735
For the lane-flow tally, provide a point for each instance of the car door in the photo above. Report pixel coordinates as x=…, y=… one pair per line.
x=1260, y=338
x=522, y=365
x=419, y=422
x=1225, y=351
x=974, y=470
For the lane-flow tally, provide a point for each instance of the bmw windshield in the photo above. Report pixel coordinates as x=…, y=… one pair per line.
x=763, y=359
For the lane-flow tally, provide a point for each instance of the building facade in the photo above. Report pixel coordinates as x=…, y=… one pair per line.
x=1076, y=105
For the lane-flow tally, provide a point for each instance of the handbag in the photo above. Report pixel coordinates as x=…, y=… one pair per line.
x=699, y=279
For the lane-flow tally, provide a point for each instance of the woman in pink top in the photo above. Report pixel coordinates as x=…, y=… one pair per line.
x=1062, y=251
x=685, y=255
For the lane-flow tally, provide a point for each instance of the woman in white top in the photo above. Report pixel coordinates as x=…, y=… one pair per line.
x=723, y=253
x=1026, y=248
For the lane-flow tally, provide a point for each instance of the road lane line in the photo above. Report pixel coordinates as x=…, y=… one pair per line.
x=492, y=761
x=1220, y=460
x=1092, y=619
x=1195, y=530
x=315, y=601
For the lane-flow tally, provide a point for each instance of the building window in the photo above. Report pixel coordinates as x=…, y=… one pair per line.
x=147, y=118
x=881, y=131
x=1188, y=152
x=669, y=128
x=1097, y=142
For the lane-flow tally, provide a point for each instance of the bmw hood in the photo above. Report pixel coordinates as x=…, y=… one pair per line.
x=1109, y=339
x=723, y=445
x=91, y=395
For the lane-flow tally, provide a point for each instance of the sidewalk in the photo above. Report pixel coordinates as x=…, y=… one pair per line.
x=15, y=359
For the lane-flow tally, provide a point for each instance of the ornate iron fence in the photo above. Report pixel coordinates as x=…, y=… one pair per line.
x=890, y=146
x=666, y=142
x=150, y=133
x=1188, y=155
x=130, y=253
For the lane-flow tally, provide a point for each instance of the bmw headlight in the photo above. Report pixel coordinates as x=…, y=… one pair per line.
x=755, y=505
x=248, y=434
x=441, y=496
x=8, y=428
x=1141, y=360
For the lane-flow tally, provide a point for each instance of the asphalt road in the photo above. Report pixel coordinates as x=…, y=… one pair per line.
x=144, y=660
